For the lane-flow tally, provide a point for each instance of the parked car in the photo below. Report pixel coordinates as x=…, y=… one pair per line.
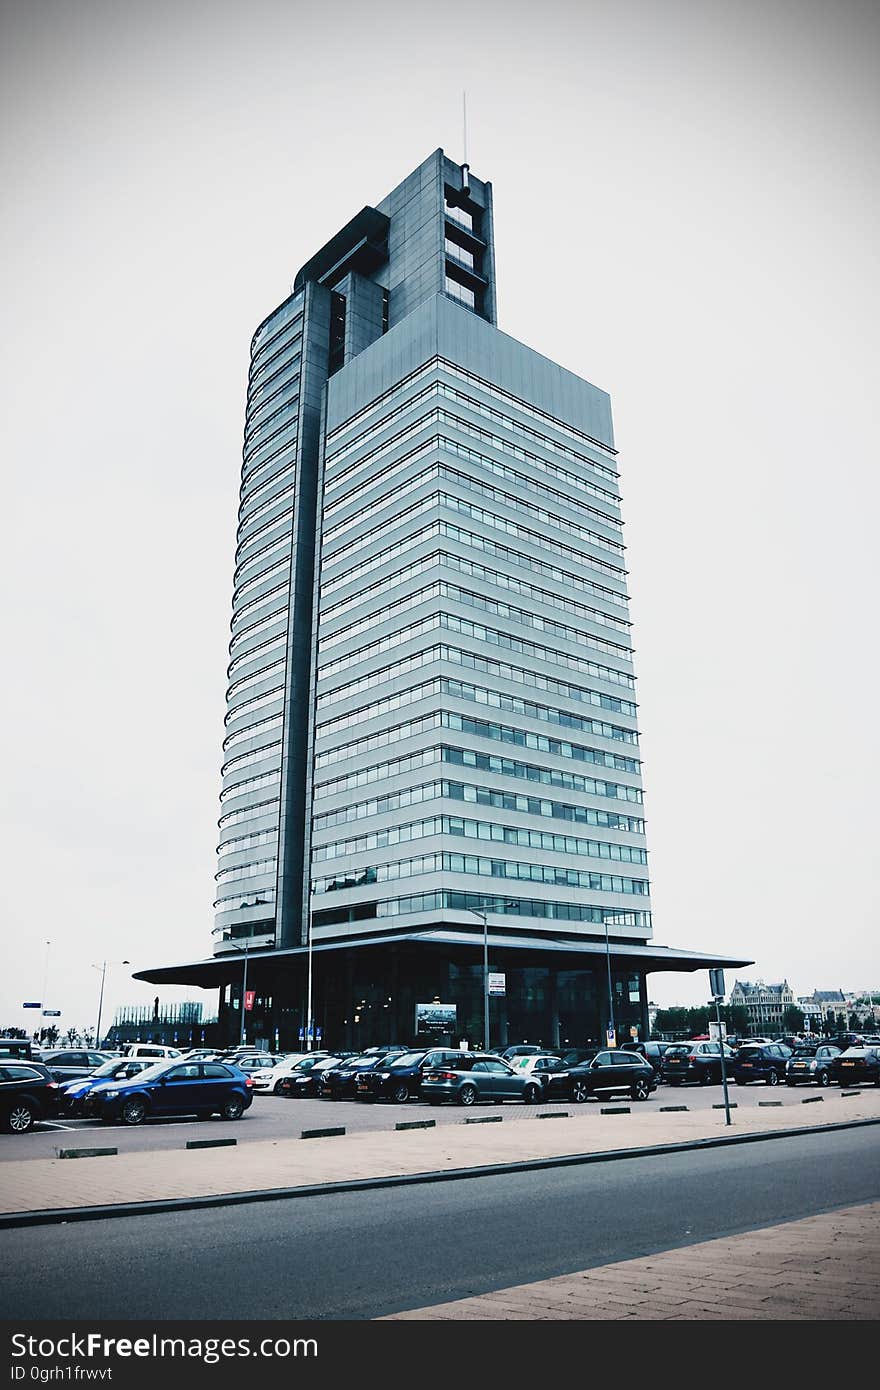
x=305, y=1078
x=652, y=1052
x=72, y=1094
x=20, y=1050
x=761, y=1062
x=613, y=1069
x=338, y=1083
x=27, y=1093
x=572, y=1056
x=522, y=1050
x=540, y=1068
x=256, y=1063
x=856, y=1066
x=810, y=1064
x=267, y=1079
x=399, y=1077
x=171, y=1087
x=696, y=1061
x=154, y=1050
x=478, y=1076
x=70, y=1064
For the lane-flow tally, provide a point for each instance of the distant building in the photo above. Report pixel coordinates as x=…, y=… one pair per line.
x=766, y=1004
x=831, y=1001
x=178, y=1025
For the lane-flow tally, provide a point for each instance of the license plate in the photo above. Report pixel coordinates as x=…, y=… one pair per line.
x=847, y=1064
x=747, y=1064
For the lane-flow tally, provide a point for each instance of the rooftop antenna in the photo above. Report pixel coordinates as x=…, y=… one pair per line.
x=465, y=168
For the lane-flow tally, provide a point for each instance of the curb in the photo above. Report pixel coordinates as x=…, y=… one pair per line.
x=61, y=1216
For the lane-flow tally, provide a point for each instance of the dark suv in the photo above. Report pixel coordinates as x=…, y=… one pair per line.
x=609, y=1071
x=765, y=1062
x=696, y=1061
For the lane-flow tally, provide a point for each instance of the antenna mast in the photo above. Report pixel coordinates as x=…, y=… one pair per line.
x=465, y=168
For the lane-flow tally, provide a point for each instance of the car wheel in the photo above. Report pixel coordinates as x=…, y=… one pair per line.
x=705, y=1078
x=133, y=1112
x=276, y=1089
x=580, y=1091
x=467, y=1095
x=823, y=1078
x=400, y=1094
x=20, y=1118
x=640, y=1090
x=773, y=1079
x=233, y=1109
x=531, y=1095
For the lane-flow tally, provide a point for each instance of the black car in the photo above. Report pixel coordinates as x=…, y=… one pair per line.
x=652, y=1052
x=27, y=1093
x=761, y=1062
x=696, y=1061
x=811, y=1064
x=611, y=1070
x=338, y=1083
x=305, y=1078
x=857, y=1066
x=400, y=1077
x=70, y=1064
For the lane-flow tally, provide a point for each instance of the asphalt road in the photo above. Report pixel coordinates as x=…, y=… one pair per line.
x=271, y=1117
x=363, y=1254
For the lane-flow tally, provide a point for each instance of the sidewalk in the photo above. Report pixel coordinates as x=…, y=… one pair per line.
x=53, y=1189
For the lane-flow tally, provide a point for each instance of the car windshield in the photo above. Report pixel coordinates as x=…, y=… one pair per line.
x=108, y=1068
x=677, y=1050
x=407, y=1059
x=150, y=1073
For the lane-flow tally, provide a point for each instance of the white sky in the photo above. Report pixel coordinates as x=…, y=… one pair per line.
x=686, y=214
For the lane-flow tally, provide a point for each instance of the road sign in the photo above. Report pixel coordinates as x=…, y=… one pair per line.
x=716, y=983
x=38, y=1005
x=610, y=1037
x=497, y=983
x=51, y=1013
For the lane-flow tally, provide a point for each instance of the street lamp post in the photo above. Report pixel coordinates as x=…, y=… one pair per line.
x=481, y=913
x=309, y=1029
x=103, y=970
x=610, y=990
x=241, y=1037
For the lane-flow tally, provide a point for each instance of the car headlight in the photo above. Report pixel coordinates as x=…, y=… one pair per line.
x=384, y=1075
x=813, y=1065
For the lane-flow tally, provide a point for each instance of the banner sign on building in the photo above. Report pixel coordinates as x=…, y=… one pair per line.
x=249, y=997
x=436, y=1018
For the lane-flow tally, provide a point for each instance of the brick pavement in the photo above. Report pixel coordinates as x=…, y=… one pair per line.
x=822, y=1267
x=39, y=1184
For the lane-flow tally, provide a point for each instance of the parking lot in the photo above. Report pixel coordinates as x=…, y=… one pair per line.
x=275, y=1118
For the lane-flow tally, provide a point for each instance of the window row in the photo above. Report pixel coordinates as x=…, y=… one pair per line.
x=486, y=868
x=248, y=813
x=265, y=358
x=256, y=730
x=270, y=672
x=276, y=570
x=450, y=531
x=271, y=697
x=259, y=537
x=279, y=594
x=476, y=662
x=243, y=871
x=453, y=901
x=250, y=785
x=465, y=791
x=520, y=836
x=453, y=622
x=471, y=483
x=259, y=897
x=542, y=540
x=283, y=379
x=247, y=633
x=336, y=479
x=253, y=841
x=276, y=322
x=247, y=518
x=271, y=750
x=255, y=456
x=496, y=393
x=264, y=649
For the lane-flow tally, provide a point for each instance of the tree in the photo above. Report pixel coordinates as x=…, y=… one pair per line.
x=736, y=1016
x=88, y=1037
x=50, y=1035
x=793, y=1019
x=71, y=1036
x=14, y=1033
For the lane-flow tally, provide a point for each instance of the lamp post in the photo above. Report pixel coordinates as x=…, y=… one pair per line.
x=481, y=913
x=103, y=970
x=309, y=1028
x=610, y=990
x=241, y=1037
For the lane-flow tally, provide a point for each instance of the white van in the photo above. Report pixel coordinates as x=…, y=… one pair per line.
x=157, y=1050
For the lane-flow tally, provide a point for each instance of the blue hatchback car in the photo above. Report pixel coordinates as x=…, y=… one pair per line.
x=173, y=1087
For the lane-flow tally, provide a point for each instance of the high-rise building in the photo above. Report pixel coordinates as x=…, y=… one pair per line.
x=431, y=746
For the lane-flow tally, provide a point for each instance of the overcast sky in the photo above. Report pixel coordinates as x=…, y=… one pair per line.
x=685, y=214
